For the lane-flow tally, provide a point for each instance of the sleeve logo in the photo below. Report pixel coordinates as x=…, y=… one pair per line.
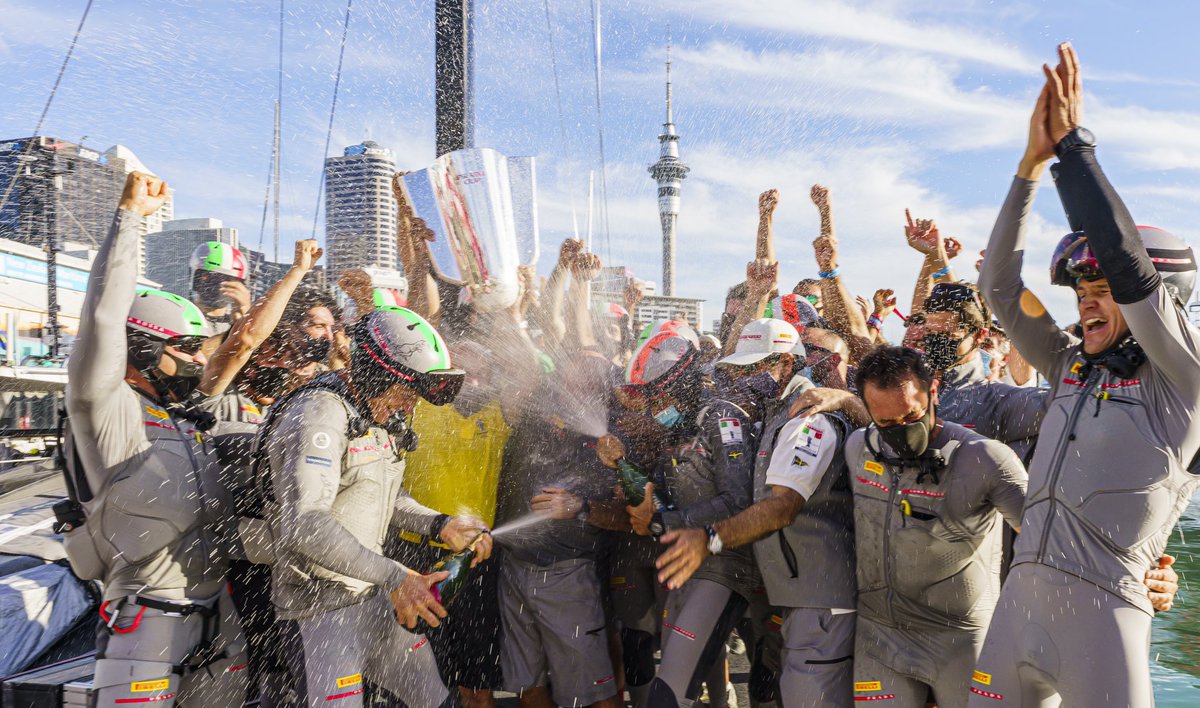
x=144, y=686
x=350, y=680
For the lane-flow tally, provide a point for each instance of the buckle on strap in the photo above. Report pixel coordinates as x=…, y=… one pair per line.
x=110, y=623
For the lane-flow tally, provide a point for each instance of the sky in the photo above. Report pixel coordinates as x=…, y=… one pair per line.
x=892, y=105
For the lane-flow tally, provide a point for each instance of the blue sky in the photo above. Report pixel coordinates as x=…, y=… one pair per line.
x=891, y=104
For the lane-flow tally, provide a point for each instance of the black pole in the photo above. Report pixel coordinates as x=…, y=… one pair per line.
x=53, y=191
x=455, y=75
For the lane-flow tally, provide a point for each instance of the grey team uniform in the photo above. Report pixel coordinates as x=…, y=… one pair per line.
x=150, y=535
x=929, y=550
x=808, y=567
x=709, y=474
x=550, y=600
x=334, y=493
x=1107, y=484
x=1000, y=411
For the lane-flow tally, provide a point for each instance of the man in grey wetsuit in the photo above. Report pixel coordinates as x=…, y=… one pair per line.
x=802, y=520
x=1111, y=473
x=332, y=495
x=707, y=468
x=930, y=498
x=142, y=469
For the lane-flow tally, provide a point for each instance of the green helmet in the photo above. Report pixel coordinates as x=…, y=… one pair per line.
x=217, y=257
x=396, y=345
x=163, y=315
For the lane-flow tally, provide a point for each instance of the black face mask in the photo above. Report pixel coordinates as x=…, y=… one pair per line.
x=910, y=440
x=186, y=369
x=270, y=381
x=399, y=426
x=312, y=348
x=940, y=350
x=1123, y=360
x=172, y=388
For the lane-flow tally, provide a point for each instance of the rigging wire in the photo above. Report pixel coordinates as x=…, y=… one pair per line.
x=272, y=167
x=337, y=80
x=562, y=125
x=46, y=109
x=596, y=49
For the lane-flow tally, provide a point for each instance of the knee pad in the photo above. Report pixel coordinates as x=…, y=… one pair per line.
x=637, y=648
x=661, y=695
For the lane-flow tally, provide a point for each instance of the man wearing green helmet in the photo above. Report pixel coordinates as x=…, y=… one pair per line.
x=219, y=282
x=145, y=505
x=335, y=449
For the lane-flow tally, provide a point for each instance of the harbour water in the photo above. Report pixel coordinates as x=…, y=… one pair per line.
x=1175, y=645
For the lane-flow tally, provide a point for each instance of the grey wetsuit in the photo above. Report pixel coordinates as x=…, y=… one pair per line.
x=153, y=505
x=929, y=551
x=1107, y=483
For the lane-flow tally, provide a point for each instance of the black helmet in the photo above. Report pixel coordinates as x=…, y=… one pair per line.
x=1172, y=257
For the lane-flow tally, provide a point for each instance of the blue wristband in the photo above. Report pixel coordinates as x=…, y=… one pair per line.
x=941, y=273
x=827, y=274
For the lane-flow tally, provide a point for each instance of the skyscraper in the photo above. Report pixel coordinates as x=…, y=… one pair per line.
x=66, y=189
x=669, y=172
x=360, y=211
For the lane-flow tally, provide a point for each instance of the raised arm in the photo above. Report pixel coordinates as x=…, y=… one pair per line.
x=764, y=247
x=411, y=235
x=584, y=269
x=1029, y=326
x=761, y=278
x=923, y=237
x=253, y=329
x=97, y=364
x=1155, y=320
x=843, y=315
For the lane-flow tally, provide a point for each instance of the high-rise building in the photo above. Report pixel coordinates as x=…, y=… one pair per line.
x=360, y=211
x=669, y=172
x=169, y=252
x=58, y=187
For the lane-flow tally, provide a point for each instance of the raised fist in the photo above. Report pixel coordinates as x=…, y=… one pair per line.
x=144, y=194
x=567, y=252
x=586, y=266
x=761, y=276
x=307, y=254
x=820, y=196
x=767, y=201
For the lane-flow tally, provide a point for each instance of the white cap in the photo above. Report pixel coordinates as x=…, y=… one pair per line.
x=760, y=339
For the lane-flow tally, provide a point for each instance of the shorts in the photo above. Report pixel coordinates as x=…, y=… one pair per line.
x=554, y=631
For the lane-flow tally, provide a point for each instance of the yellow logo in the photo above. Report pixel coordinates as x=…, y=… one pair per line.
x=161, y=415
x=1075, y=369
x=252, y=410
x=873, y=466
x=860, y=686
x=349, y=680
x=156, y=685
x=985, y=679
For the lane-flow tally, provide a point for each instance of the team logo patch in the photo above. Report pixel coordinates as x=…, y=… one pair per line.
x=731, y=431
x=318, y=461
x=980, y=677
x=160, y=414
x=861, y=686
x=144, y=686
x=798, y=462
x=350, y=680
x=873, y=466
x=321, y=440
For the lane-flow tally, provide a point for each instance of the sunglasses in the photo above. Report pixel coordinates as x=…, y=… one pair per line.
x=439, y=387
x=186, y=345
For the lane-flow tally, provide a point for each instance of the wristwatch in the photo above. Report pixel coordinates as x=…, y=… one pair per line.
x=657, y=527
x=714, y=540
x=1080, y=137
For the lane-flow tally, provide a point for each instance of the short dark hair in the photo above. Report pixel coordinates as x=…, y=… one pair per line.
x=889, y=366
x=805, y=283
x=962, y=298
x=305, y=299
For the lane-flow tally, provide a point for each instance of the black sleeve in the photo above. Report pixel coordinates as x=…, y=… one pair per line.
x=1092, y=202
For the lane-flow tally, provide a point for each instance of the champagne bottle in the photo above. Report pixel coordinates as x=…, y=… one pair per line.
x=448, y=589
x=633, y=483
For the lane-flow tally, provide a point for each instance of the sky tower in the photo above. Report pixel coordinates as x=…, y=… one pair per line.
x=669, y=172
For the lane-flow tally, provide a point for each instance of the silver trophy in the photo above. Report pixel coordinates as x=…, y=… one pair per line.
x=482, y=209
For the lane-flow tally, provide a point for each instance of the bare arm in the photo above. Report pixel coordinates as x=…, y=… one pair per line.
x=923, y=236
x=765, y=246
x=411, y=235
x=253, y=329
x=843, y=315
x=1020, y=370
x=584, y=269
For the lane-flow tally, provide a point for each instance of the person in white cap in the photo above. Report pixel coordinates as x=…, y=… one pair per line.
x=802, y=512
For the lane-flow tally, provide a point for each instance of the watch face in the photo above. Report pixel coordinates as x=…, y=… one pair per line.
x=1086, y=136
x=656, y=528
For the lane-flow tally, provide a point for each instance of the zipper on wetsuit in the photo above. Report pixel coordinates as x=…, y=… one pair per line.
x=1059, y=454
x=887, y=542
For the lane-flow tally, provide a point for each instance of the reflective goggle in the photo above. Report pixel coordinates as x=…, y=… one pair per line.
x=186, y=344
x=439, y=387
x=1073, y=260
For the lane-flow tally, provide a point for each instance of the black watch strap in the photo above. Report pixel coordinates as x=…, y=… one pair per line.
x=1077, y=138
